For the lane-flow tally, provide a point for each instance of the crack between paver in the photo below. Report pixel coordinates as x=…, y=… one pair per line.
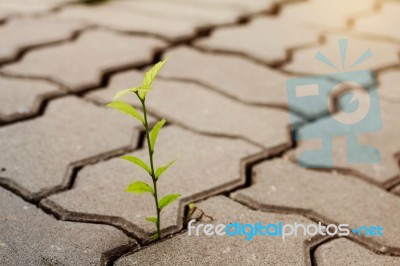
x=197, y=32
x=105, y=256
x=138, y=233
x=309, y=244
x=112, y=253
x=309, y=214
x=354, y=240
x=278, y=106
x=38, y=108
x=323, y=38
x=22, y=51
x=316, y=217
x=205, y=31
x=128, y=228
x=387, y=184
x=110, y=256
x=226, y=189
x=65, y=91
x=172, y=121
x=275, y=64
x=71, y=171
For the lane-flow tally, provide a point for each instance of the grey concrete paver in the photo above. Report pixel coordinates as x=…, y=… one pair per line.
x=28, y=236
x=209, y=113
x=253, y=39
x=243, y=6
x=36, y=156
x=226, y=107
x=396, y=190
x=188, y=12
x=222, y=250
x=345, y=252
x=4, y=14
x=382, y=23
x=19, y=34
x=385, y=140
x=22, y=98
x=82, y=63
x=233, y=76
x=31, y=7
x=329, y=197
x=384, y=54
x=236, y=78
x=326, y=14
x=389, y=87
x=215, y=166
x=178, y=21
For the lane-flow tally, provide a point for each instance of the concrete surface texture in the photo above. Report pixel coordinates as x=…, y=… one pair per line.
x=223, y=93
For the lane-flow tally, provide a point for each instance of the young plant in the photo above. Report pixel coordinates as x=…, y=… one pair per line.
x=140, y=187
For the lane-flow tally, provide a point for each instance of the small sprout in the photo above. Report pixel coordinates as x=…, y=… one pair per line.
x=191, y=209
x=140, y=187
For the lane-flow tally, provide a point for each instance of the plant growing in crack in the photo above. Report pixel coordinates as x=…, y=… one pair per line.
x=140, y=187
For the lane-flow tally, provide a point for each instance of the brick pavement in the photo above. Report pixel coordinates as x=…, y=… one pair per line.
x=62, y=199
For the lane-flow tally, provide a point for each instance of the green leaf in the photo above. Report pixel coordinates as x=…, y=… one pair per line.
x=162, y=169
x=151, y=75
x=154, y=236
x=126, y=108
x=154, y=133
x=151, y=219
x=167, y=200
x=139, y=187
x=137, y=161
x=123, y=93
x=143, y=93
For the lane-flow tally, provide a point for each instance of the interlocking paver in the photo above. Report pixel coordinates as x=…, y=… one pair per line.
x=36, y=156
x=28, y=236
x=254, y=40
x=235, y=77
x=215, y=166
x=384, y=54
x=226, y=107
x=80, y=64
x=209, y=112
x=176, y=22
x=28, y=7
x=19, y=34
x=388, y=85
x=396, y=190
x=222, y=250
x=189, y=12
x=22, y=98
x=326, y=14
x=345, y=252
x=243, y=6
x=332, y=198
x=386, y=140
x=4, y=15
x=383, y=23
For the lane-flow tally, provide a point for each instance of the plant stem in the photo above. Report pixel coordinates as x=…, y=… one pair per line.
x=153, y=176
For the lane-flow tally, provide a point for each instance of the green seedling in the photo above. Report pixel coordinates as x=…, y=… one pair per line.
x=191, y=209
x=140, y=187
